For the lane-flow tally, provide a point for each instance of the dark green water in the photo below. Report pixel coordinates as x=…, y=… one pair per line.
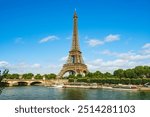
x=46, y=93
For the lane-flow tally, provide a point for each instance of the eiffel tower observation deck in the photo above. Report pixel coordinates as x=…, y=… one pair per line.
x=75, y=64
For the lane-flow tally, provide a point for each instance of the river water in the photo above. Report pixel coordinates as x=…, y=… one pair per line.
x=47, y=93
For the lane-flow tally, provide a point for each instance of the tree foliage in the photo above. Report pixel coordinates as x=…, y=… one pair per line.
x=50, y=76
x=119, y=73
x=3, y=74
x=38, y=76
x=27, y=76
x=12, y=76
x=137, y=72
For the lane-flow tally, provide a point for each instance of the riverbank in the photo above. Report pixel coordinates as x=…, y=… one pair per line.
x=112, y=87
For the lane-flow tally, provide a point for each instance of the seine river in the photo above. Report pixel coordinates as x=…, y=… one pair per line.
x=47, y=93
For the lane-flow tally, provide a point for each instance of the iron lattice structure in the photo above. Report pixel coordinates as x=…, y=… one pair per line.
x=75, y=64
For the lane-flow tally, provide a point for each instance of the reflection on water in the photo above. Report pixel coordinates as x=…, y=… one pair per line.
x=0, y=90
x=1, y=87
x=75, y=94
x=142, y=95
x=47, y=93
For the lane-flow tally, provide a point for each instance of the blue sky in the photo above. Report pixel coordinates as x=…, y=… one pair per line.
x=35, y=35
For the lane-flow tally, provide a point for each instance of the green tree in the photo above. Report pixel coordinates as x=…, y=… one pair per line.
x=3, y=74
x=107, y=75
x=147, y=71
x=125, y=81
x=8, y=76
x=27, y=76
x=89, y=75
x=38, y=76
x=71, y=79
x=119, y=73
x=79, y=76
x=98, y=74
x=139, y=70
x=130, y=73
x=12, y=76
x=114, y=80
x=82, y=80
x=137, y=81
x=50, y=76
x=15, y=76
x=145, y=80
x=72, y=76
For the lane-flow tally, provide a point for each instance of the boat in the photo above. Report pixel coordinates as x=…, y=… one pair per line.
x=106, y=87
x=57, y=85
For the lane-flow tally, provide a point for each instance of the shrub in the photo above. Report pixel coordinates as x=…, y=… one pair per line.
x=38, y=76
x=93, y=80
x=145, y=80
x=71, y=80
x=137, y=81
x=114, y=81
x=82, y=80
x=125, y=81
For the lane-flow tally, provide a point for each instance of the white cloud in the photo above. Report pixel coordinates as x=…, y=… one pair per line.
x=36, y=65
x=4, y=63
x=111, y=38
x=134, y=56
x=64, y=58
x=69, y=37
x=110, y=65
x=116, y=63
x=147, y=45
x=97, y=62
x=95, y=42
x=146, y=51
x=124, y=60
x=107, y=52
x=104, y=66
x=36, y=68
x=49, y=38
x=128, y=55
x=107, y=39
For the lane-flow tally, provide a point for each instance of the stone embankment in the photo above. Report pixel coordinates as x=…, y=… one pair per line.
x=112, y=87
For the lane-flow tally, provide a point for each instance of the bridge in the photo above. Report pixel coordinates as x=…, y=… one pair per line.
x=24, y=82
x=28, y=82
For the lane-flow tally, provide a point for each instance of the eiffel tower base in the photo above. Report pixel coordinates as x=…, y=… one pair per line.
x=73, y=69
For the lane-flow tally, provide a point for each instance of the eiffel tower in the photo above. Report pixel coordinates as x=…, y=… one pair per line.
x=75, y=64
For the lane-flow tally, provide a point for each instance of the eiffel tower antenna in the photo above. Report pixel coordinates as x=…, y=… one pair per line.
x=75, y=42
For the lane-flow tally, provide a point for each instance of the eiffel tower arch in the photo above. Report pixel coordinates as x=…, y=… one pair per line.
x=75, y=64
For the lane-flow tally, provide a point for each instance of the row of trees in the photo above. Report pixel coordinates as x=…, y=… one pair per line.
x=137, y=81
x=138, y=75
x=30, y=76
x=137, y=72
